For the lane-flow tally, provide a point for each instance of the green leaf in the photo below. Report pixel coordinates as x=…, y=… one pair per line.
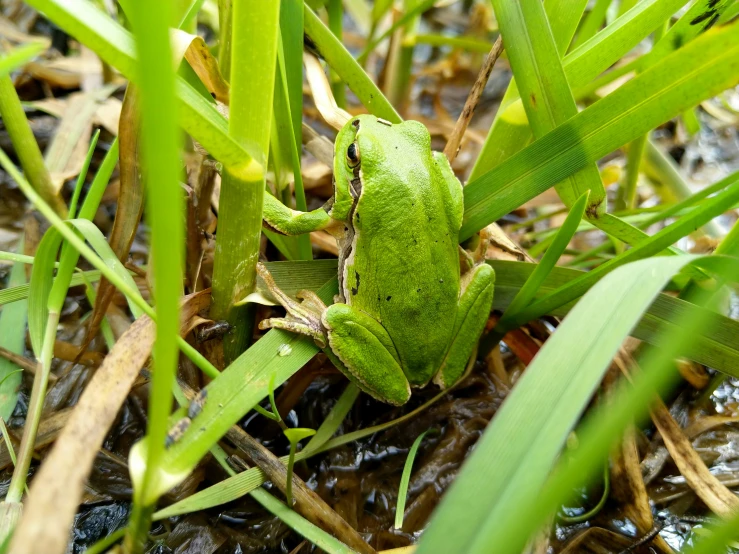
x=341, y=61
x=42, y=277
x=20, y=56
x=115, y=45
x=237, y=389
x=706, y=66
x=513, y=458
x=544, y=90
x=405, y=479
x=21, y=292
x=713, y=207
x=510, y=132
x=12, y=337
x=533, y=284
x=717, y=347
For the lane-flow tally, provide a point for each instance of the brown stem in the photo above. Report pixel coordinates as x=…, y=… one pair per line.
x=307, y=503
x=452, y=146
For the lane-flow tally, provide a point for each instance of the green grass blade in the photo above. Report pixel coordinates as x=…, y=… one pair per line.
x=544, y=90
x=510, y=131
x=160, y=143
x=42, y=277
x=409, y=15
x=711, y=208
x=605, y=425
x=341, y=61
x=115, y=46
x=81, y=177
x=21, y=292
x=520, y=446
x=236, y=390
x=13, y=337
x=533, y=284
x=717, y=348
x=292, y=519
x=17, y=57
x=254, y=45
x=706, y=66
x=405, y=479
x=291, y=27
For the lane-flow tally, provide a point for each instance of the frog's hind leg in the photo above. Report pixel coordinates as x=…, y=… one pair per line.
x=362, y=349
x=472, y=314
x=302, y=317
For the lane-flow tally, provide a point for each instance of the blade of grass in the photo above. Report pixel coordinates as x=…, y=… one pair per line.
x=704, y=67
x=13, y=337
x=160, y=146
x=291, y=27
x=548, y=102
x=571, y=362
x=21, y=292
x=533, y=284
x=604, y=426
x=547, y=99
x=115, y=45
x=710, y=208
x=405, y=479
x=48, y=302
x=410, y=14
x=510, y=132
x=113, y=270
x=237, y=389
x=338, y=57
x=17, y=57
x=25, y=145
x=247, y=481
x=254, y=45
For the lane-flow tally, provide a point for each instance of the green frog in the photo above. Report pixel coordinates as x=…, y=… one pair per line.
x=405, y=312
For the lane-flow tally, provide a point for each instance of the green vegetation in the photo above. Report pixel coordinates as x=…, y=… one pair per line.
x=222, y=131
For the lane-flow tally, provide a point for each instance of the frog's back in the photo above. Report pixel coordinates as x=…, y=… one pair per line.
x=404, y=271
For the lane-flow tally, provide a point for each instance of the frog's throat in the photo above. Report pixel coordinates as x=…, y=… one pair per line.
x=349, y=238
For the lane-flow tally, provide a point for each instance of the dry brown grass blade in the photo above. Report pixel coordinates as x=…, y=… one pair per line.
x=706, y=486
x=627, y=482
x=322, y=95
x=130, y=205
x=455, y=139
x=48, y=430
x=307, y=503
x=22, y=362
x=57, y=488
x=194, y=49
x=598, y=541
x=66, y=154
x=707, y=423
x=627, y=485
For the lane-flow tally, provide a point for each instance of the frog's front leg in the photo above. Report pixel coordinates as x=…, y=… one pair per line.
x=286, y=221
x=473, y=310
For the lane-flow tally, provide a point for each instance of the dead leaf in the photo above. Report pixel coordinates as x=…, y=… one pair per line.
x=130, y=205
x=194, y=49
x=66, y=154
x=706, y=486
x=57, y=488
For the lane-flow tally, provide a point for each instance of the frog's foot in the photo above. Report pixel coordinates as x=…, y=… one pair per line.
x=477, y=254
x=363, y=351
x=472, y=314
x=302, y=317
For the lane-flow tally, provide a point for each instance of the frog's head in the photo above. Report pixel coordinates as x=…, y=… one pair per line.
x=367, y=144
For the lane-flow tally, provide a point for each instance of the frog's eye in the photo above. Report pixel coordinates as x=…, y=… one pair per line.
x=352, y=155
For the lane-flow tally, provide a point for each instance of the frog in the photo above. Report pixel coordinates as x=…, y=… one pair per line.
x=412, y=303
